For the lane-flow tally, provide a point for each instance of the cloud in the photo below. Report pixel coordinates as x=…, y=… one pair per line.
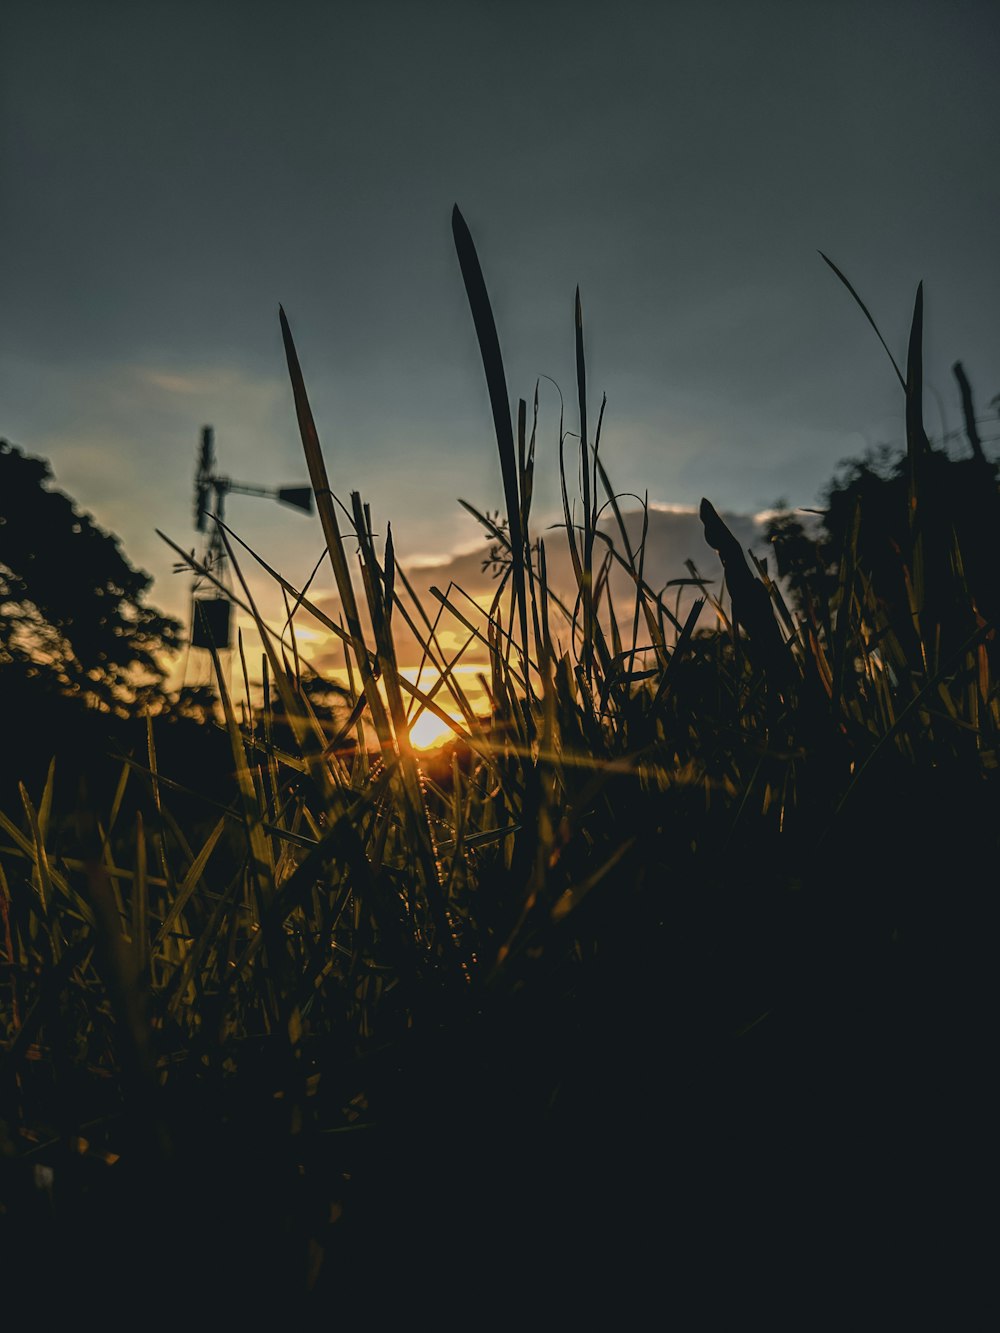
x=468, y=582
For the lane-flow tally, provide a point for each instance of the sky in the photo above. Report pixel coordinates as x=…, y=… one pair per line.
x=171, y=172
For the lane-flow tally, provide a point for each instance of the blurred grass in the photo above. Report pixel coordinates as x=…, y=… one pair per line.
x=693, y=887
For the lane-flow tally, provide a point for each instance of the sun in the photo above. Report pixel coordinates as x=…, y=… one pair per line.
x=429, y=732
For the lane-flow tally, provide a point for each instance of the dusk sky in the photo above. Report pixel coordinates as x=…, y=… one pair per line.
x=171, y=172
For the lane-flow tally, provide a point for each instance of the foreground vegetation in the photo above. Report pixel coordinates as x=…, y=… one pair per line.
x=675, y=942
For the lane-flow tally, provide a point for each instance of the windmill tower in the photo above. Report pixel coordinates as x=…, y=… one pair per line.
x=211, y=613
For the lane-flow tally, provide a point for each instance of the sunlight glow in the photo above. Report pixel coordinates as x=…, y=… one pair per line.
x=428, y=732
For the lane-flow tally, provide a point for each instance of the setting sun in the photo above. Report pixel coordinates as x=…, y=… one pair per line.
x=428, y=732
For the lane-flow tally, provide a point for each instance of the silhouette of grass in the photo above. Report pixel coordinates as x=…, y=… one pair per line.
x=382, y=1006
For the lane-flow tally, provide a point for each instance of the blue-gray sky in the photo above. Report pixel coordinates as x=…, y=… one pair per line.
x=171, y=172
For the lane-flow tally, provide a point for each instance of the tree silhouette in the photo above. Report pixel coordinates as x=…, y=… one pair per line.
x=73, y=618
x=925, y=529
x=960, y=513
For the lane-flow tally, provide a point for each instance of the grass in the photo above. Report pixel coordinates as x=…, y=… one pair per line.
x=694, y=885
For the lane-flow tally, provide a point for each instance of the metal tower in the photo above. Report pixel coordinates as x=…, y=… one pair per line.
x=211, y=615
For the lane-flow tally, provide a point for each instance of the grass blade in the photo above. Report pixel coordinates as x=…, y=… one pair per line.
x=867, y=314
x=496, y=383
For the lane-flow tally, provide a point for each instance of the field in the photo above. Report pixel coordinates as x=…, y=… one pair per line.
x=666, y=964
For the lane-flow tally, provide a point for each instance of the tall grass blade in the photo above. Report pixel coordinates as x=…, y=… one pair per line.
x=750, y=601
x=587, y=581
x=496, y=383
x=917, y=449
x=331, y=529
x=969, y=413
x=140, y=900
x=189, y=883
x=867, y=314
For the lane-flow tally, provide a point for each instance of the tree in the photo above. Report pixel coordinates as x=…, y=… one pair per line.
x=924, y=530
x=73, y=618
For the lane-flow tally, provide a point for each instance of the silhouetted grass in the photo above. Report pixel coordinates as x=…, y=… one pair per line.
x=608, y=973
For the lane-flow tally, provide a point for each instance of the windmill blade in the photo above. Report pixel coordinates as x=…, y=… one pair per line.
x=206, y=457
x=301, y=497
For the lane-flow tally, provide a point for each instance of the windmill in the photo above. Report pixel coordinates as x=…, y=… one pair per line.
x=211, y=615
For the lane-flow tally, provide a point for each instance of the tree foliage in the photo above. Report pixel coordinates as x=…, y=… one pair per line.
x=73, y=616
x=870, y=517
